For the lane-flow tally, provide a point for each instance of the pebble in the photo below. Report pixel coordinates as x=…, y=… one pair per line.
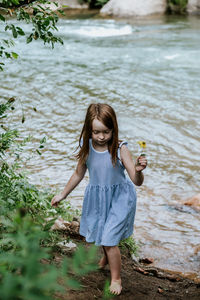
x=67, y=246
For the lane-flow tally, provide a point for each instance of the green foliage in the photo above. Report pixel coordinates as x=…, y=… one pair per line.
x=25, y=268
x=38, y=14
x=106, y=291
x=26, y=242
x=177, y=6
x=130, y=244
x=15, y=189
x=101, y=2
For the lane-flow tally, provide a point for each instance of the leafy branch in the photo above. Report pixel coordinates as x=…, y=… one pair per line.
x=38, y=14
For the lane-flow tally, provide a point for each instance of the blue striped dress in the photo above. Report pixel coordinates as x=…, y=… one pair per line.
x=109, y=203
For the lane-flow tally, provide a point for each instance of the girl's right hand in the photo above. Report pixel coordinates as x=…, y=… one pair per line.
x=56, y=199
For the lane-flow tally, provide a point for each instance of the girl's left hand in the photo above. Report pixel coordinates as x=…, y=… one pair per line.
x=141, y=163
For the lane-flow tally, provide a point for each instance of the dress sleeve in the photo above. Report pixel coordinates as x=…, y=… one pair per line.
x=118, y=151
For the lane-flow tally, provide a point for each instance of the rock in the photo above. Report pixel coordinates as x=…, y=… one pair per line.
x=66, y=223
x=58, y=225
x=77, y=218
x=146, y=260
x=67, y=246
x=140, y=270
x=160, y=291
x=74, y=226
x=193, y=7
x=193, y=202
x=197, y=250
x=128, y=8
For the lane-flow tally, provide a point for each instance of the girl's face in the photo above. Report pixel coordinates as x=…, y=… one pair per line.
x=101, y=134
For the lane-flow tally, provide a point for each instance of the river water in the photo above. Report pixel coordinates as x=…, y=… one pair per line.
x=149, y=71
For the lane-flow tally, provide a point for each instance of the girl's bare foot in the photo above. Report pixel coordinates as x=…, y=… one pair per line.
x=103, y=262
x=116, y=287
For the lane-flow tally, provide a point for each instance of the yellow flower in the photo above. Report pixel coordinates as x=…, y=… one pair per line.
x=142, y=144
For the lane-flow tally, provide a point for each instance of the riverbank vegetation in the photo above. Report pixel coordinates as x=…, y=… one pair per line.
x=26, y=241
x=177, y=6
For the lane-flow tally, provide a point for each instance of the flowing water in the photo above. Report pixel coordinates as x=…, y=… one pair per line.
x=149, y=71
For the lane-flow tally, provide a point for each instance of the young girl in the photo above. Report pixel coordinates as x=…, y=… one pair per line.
x=110, y=199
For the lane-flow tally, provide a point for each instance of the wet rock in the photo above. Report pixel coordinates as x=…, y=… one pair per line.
x=76, y=219
x=128, y=8
x=74, y=226
x=160, y=290
x=193, y=7
x=60, y=224
x=197, y=250
x=140, y=270
x=66, y=246
x=146, y=260
x=193, y=202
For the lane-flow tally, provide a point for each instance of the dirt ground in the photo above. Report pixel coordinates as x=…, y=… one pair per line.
x=139, y=281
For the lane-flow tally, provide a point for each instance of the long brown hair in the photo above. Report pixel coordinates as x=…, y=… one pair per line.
x=105, y=114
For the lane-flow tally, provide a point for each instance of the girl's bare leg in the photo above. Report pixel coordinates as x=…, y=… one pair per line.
x=104, y=260
x=114, y=260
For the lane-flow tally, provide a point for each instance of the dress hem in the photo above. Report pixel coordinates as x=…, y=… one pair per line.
x=107, y=244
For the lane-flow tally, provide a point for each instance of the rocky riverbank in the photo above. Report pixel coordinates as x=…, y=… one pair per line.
x=140, y=280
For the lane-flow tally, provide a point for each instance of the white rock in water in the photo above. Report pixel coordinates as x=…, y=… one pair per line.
x=127, y=8
x=67, y=246
x=193, y=7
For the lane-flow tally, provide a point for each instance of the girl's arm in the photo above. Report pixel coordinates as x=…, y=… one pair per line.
x=134, y=170
x=74, y=180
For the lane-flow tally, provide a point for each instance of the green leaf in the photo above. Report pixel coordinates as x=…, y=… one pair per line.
x=7, y=54
x=38, y=152
x=20, y=31
x=23, y=118
x=43, y=140
x=15, y=56
x=14, y=31
x=29, y=38
x=10, y=100
x=2, y=18
x=61, y=12
x=16, y=2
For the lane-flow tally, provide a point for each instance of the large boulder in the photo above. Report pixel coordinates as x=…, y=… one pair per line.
x=128, y=8
x=193, y=7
